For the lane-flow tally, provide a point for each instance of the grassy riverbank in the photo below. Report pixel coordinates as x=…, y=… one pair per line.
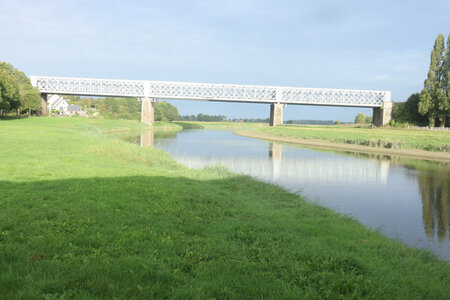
x=433, y=145
x=388, y=138
x=84, y=214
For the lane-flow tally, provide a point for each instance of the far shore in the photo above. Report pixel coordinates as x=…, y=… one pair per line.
x=411, y=153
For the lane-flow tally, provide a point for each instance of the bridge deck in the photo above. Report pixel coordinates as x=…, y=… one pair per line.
x=210, y=92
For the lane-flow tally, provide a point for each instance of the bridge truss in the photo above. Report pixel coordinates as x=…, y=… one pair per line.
x=210, y=92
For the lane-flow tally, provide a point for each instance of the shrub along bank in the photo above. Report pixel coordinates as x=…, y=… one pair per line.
x=84, y=214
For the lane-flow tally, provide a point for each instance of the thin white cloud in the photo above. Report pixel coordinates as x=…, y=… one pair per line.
x=351, y=44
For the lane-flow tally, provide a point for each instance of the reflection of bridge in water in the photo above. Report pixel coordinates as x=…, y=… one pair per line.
x=147, y=138
x=331, y=170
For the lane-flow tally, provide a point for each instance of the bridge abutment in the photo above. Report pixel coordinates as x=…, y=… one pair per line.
x=276, y=114
x=148, y=111
x=383, y=115
x=43, y=110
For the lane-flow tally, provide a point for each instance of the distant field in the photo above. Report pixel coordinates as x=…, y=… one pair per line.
x=86, y=215
x=438, y=141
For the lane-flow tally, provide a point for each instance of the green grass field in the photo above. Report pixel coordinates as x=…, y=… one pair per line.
x=86, y=215
x=373, y=137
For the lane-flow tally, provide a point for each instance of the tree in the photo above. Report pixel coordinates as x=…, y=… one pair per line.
x=31, y=99
x=444, y=100
x=360, y=118
x=26, y=97
x=431, y=94
x=165, y=111
x=408, y=111
x=159, y=112
x=171, y=112
x=112, y=105
x=9, y=92
x=368, y=120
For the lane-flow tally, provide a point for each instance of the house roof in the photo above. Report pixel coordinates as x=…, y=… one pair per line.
x=58, y=102
x=73, y=108
x=52, y=99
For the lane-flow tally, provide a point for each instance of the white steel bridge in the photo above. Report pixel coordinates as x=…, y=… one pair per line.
x=277, y=96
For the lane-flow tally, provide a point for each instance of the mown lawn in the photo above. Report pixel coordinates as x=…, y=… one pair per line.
x=373, y=137
x=86, y=215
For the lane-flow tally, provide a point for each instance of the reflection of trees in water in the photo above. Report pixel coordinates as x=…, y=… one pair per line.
x=165, y=134
x=435, y=190
x=434, y=184
x=134, y=139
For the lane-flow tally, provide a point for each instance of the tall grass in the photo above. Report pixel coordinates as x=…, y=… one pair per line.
x=85, y=215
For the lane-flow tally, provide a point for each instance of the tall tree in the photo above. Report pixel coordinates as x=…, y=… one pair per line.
x=432, y=91
x=9, y=92
x=444, y=101
x=28, y=97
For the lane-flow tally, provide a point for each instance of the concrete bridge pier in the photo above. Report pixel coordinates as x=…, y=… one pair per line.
x=383, y=115
x=148, y=111
x=276, y=114
x=44, y=110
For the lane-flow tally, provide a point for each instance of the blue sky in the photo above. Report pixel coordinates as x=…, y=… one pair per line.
x=380, y=45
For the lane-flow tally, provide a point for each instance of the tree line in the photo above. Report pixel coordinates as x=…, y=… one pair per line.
x=203, y=118
x=16, y=92
x=124, y=108
x=432, y=105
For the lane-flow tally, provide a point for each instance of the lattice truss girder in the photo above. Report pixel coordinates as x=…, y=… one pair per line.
x=206, y=91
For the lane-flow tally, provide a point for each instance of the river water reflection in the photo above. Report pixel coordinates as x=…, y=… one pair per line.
x=404, y=199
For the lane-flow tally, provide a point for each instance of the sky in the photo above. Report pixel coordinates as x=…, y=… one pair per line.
x=374, y=45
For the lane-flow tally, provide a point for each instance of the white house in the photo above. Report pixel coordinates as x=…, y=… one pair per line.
x=56, y=102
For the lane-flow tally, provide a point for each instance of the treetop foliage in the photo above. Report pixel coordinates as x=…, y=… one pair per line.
x=164, y=111
x=408, y=112
x=360, y=118
x=16, y=91
x=435, y=96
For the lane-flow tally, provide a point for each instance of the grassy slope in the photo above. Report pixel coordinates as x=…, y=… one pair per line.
x=86, y=215
x=402, y=138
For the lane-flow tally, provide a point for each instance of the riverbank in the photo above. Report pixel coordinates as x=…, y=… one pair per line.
x=84, y=214
x=393, y=142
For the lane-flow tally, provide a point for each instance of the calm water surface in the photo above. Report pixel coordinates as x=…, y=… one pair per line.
x=405, y=199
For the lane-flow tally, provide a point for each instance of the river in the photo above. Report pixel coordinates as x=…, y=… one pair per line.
x=405, y=199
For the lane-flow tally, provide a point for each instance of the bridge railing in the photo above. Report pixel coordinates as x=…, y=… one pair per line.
x=208, y=91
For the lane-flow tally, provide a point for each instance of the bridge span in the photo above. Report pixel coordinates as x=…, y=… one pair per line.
x=277, y=96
